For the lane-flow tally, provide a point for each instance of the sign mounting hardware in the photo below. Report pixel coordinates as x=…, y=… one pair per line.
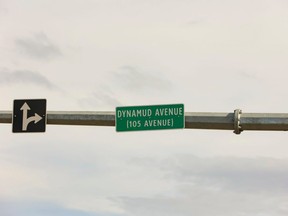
x=29, y=115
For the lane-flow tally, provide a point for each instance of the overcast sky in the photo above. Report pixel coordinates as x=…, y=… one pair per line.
x=94, y=55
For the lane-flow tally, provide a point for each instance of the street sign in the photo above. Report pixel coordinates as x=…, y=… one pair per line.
x=155, y=117
x=29, y=116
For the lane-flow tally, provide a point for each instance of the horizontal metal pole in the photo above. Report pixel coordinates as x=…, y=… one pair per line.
x=194, y=120
x=248, y=121
x=5, y=117
x=81, y=118
x=71, y=118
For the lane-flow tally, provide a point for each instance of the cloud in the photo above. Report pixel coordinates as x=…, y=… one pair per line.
x=3, y=9
x=242, y=175
x=39, y=47
x=26, y=208
x=219, y=186
x=180, y=185
x=205, y=203
x=134, y=79
x=259, y=175
x=103, y=98
x=195, y=22
x=24, y=76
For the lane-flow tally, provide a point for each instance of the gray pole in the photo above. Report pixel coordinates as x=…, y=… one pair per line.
x=236, y=121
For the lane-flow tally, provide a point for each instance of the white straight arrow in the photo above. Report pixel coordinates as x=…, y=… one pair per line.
x=36, y=118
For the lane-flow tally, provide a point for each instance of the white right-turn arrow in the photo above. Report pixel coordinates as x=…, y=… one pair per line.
x=36, y=118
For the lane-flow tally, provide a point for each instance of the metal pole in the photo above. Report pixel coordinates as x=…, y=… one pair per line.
x=236, y=121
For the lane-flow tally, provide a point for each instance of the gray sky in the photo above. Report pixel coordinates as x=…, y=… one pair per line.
x=213, y=56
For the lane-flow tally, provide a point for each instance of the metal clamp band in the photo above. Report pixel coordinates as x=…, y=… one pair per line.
x=237, y=126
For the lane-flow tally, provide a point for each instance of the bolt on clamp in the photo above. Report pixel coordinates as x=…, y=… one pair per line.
x=237, y=125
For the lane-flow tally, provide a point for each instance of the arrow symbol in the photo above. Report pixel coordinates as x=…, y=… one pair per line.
x=36, y=118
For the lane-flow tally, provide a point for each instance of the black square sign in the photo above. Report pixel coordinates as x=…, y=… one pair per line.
x=29, y=116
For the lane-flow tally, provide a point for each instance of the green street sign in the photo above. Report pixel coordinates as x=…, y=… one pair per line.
x=155, y=117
